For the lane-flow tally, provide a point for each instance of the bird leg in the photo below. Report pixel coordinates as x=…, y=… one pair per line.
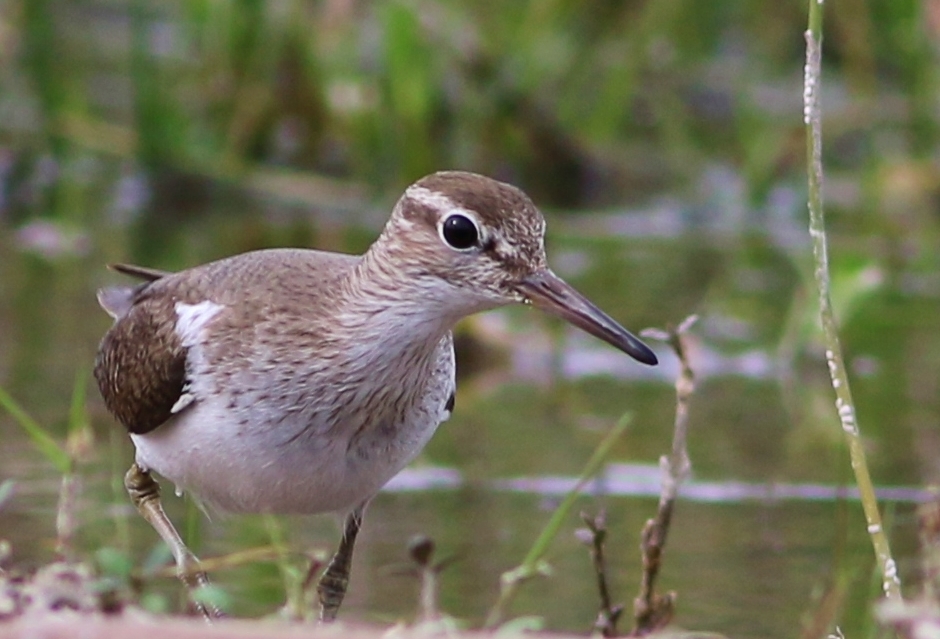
x=144, y=491
x=332, y=585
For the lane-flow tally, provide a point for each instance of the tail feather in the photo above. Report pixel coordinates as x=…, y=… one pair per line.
x=140, y=272
x=118, y=300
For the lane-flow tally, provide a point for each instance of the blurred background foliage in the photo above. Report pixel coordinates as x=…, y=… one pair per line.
x=665, y=141
x=162, y=105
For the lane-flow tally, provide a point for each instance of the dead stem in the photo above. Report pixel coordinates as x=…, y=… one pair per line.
x=594, y=536
x=421, y=549
x=919, y=616
x=65, y=522
x=650, y=610
x=929, y=516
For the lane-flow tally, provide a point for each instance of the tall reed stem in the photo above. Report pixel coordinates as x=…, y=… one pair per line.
x=812, y=119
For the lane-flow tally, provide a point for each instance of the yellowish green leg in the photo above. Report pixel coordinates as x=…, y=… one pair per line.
x=145, y=493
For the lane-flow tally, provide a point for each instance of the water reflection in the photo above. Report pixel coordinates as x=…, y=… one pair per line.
x=765, y=521
x=641, y=480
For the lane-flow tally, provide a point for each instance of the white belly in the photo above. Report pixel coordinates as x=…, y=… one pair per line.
x=284, y=462
x=245, y=474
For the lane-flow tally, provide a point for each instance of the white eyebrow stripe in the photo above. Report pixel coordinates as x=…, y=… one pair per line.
x=436, y=199
x=442, y=203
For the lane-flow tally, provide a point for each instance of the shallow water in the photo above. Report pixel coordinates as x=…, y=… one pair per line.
x=767, y=520
x=169, y=134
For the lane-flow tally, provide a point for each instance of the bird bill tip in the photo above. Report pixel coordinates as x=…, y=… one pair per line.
x=548, y=292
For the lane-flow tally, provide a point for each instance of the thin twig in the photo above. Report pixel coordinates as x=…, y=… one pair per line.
x=594, y=536
x=65, y=521
x=919, y=616
x=929, y=517
x=650, y=610
x=812, y=118
x=421, y=549
x=78, y=444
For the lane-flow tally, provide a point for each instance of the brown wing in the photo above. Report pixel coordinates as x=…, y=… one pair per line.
x=141, y=364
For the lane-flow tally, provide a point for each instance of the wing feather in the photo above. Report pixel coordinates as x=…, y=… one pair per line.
x=141, y=363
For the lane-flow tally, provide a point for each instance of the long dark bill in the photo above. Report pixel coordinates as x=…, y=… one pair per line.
x=552, y=294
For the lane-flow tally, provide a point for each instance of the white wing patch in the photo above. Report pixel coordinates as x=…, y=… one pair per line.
x=191, y=327
x=192, y=319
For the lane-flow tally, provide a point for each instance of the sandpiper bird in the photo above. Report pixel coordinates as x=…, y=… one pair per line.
x=301, y=381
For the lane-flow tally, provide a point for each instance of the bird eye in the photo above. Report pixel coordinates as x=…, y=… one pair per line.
x=460, y=232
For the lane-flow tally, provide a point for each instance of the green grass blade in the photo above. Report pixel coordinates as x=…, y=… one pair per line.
x=78, y=416
x=593, y=466
x=43, y=441
x=533, y=563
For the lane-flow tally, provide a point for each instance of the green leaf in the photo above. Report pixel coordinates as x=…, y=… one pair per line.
x=212, y=596
x=159, y=556
x=521, y=625
x=114, y=563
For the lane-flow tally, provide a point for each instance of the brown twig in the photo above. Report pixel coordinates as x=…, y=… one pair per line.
x=66, y=523
x=421, y=549
x=308, y=586
x=919, y=616
x=929, y=516
x=594, y=536
x=650, y=610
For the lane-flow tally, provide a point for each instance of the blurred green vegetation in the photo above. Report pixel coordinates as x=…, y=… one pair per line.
x=577, y=102
x=163, y=120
